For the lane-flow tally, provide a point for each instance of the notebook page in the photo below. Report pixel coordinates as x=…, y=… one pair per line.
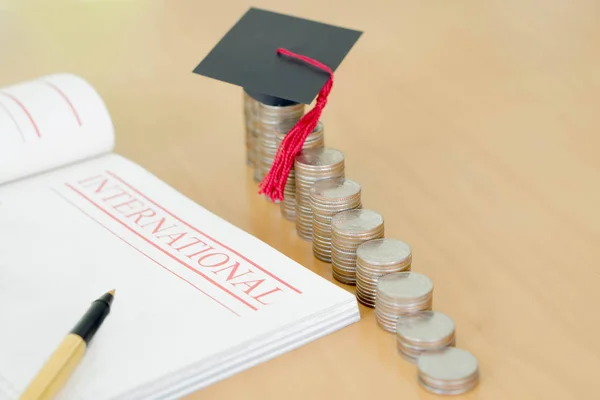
x=48, y=122
x=190, y=286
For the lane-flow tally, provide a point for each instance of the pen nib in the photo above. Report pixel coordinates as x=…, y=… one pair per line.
x=112, y=292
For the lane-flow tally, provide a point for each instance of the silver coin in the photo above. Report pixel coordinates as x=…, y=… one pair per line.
x=366, y=292
x=268, y=121
x=385, y=325
x=318, y=225
x=276, y=113
x=369, y=286
x=386, y=251
x=322, y=238
x=425, y=327
x=322, y=246
x=322, y=252
x=365, y=300
x=325, y=216
x=310, y=166
x=393, y=313
x=366, y=288
x=418, y=350
x=386, y=318
x=405, y=285
x=300, y=204
x=403, y=307
x=375, y=273
x=341, y=268
x=356, y=221
x=320, y=242
x=322, y=257
x=342, y=278
x=304, y=211
x=448, y=371
x=315, y=136
x=304, y=235
x=356, y=239
x=348, y=252
x=339, y=189
x=412, y=353
x=352, y=243
x=344, y=257
x=346, y=262
x=322, y=157
x=314, y=140
x=303, y=218
x=332, y=204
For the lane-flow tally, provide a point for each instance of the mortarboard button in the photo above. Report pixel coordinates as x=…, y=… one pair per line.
x=247, y=56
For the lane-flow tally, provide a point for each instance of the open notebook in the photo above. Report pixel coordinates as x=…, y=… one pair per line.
x=198, y=299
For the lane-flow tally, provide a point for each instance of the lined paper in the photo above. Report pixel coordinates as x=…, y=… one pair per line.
x=51, y=121
x=71, y=234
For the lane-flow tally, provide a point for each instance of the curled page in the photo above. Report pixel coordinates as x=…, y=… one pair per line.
x=49, y=122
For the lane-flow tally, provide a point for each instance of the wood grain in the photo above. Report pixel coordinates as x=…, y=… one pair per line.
x=472, y=126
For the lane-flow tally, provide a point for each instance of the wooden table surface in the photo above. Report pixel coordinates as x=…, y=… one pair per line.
x=472, y=126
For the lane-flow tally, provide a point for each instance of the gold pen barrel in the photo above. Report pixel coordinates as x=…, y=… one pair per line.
x=57, y=370
x=59, y=367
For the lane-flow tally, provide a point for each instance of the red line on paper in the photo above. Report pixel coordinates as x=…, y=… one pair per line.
x=140, y=251
x=64, y=96
x=13, y=120
x=13, y=98
x=161, y=249
x=202, y=233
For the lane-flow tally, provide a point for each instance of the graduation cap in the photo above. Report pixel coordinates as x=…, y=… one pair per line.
x=281, y=60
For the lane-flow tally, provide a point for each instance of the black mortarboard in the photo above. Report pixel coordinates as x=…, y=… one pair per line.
x=247, y=56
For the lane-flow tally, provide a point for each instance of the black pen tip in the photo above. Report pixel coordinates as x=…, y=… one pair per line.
x=108, y=297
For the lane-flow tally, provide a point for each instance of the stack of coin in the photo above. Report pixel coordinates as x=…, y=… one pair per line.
x=375, y=259
x=329, y=197
x=269, y=121
x=349, y=229
x=401, y=293
x=449, y=371
x=315, y=140
x=250, y=115
x=313, y=165
x=423, y=331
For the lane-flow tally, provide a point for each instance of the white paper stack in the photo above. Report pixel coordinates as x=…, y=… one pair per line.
x=197, y=300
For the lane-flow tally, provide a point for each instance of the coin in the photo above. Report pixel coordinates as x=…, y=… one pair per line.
x=423, y=331
x=312, y=165
x=327, y=198
x=315, y=139
x=449, y=371
x=376, y=258
x=402, y=293
x=349, y=229
x=269, y=121
x=405, y=286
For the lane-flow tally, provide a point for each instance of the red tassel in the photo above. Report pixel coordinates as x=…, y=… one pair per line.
x=274, y=182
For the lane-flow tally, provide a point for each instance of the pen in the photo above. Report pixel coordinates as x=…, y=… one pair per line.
x=65, y=359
